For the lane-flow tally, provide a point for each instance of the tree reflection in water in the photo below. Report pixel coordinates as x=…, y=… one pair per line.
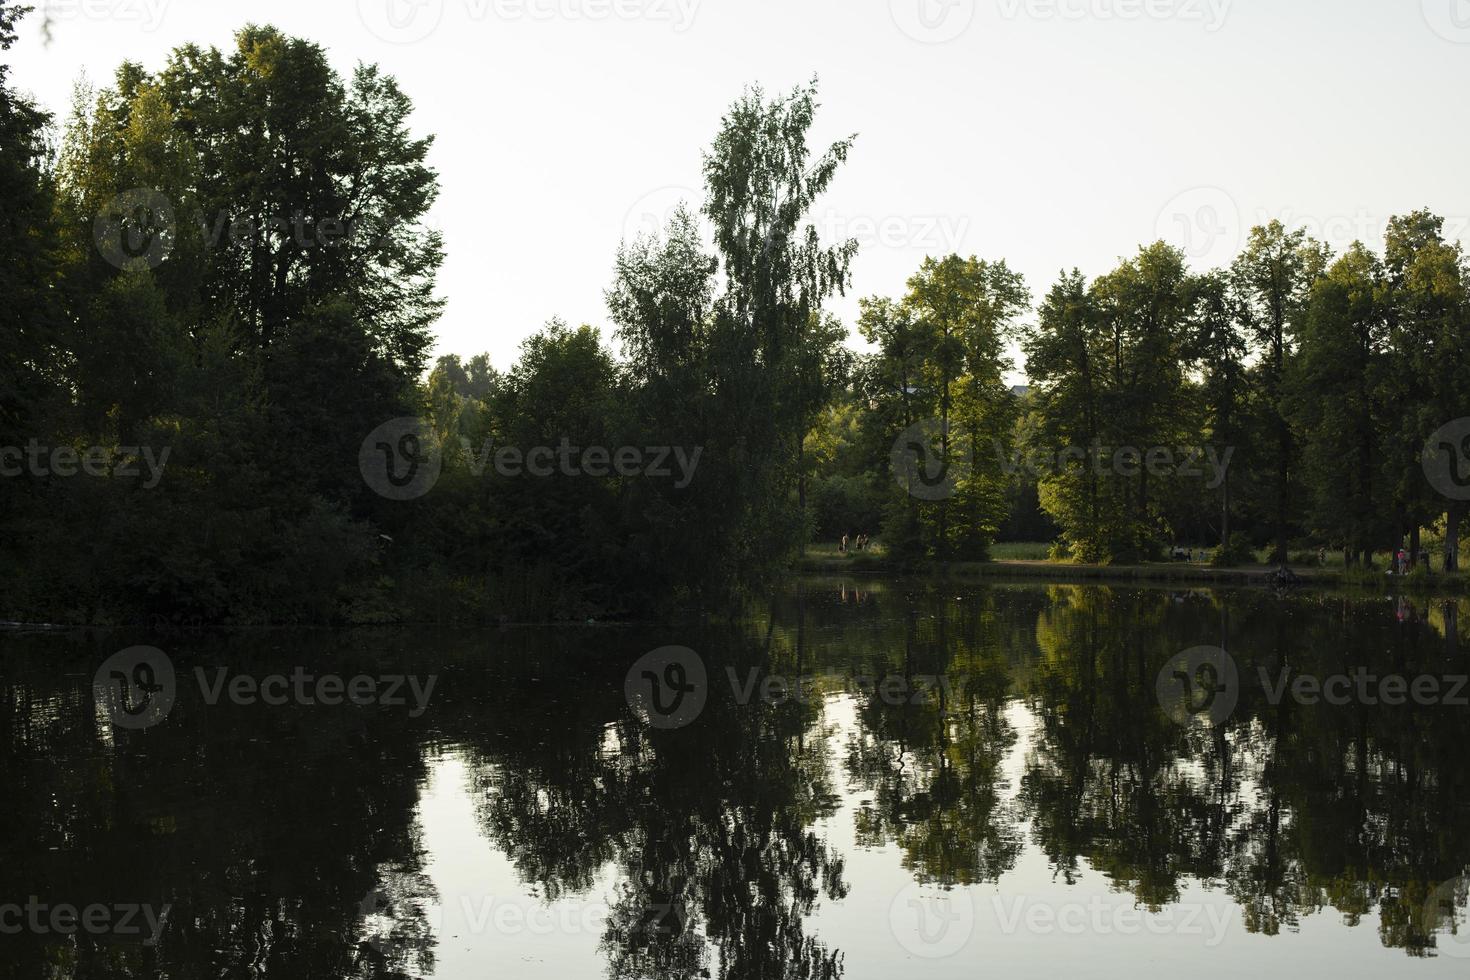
x=958, y=727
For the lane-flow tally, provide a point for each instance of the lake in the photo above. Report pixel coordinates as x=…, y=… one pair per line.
x=859, y=778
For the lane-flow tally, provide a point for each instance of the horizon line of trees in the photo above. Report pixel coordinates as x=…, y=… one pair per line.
x=1320, y=381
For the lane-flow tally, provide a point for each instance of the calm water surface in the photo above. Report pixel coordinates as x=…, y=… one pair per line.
x=859, y=779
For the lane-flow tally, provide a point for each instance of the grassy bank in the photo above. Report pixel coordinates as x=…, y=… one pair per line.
x=1028, y=560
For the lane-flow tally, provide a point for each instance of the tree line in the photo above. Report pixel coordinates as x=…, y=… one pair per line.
x=1294, y=400
x=227, y=262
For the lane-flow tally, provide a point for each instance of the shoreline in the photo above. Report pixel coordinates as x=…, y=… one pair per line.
x=1161, y=572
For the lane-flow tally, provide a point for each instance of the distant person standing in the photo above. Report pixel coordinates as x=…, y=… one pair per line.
x=843, y=546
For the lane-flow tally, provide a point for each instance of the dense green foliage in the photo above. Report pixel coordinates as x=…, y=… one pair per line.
x=227, y=261
x=1289, y=400
x=239, y=277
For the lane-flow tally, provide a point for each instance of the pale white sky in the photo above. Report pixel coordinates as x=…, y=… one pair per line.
x=1051, y=133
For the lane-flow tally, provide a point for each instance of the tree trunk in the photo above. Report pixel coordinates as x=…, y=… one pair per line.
x=801, y=487
x=1452, y=536
x=942, y=550
x=1142, y=498
x=1283, y=475
x=1400, y=524
x=1225, y=512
